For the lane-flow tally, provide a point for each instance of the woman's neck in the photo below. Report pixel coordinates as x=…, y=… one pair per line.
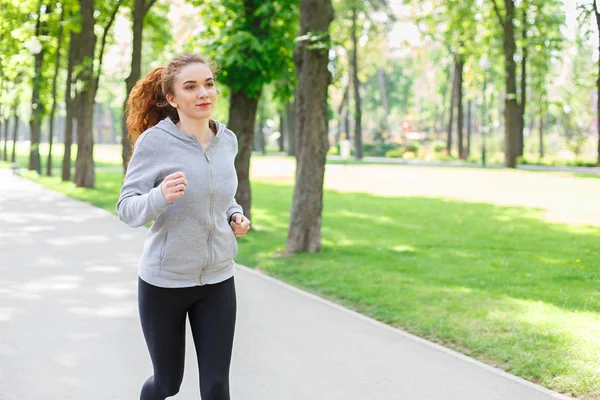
x=197, y=127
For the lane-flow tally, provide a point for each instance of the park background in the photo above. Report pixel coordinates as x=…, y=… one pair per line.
x=438, y=223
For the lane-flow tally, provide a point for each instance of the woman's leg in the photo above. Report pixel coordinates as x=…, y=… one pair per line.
x=212, y=320
x=162, y=315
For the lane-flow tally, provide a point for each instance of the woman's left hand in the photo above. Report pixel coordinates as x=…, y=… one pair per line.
x=240, y=224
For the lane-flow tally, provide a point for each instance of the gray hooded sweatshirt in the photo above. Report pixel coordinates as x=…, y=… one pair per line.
x=190, y=242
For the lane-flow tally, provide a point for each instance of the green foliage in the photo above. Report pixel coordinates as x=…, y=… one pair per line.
x=395, y=153
x=378, y=149
x=544, y=43
x=252, y=41
x=157, y=37
x=576, y=112
x=400, y=76
x=333, y=151
x=412, y=147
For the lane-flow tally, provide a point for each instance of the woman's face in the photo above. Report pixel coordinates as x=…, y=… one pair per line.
x=194, y=92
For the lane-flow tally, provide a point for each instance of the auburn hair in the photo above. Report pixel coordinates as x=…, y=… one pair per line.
x=147, y=104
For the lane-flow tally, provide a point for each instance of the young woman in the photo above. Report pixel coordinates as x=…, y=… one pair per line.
x=182, y=178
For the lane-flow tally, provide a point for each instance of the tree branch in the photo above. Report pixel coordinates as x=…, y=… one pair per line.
x=498, y=13
x=596, y=12
x=148, y=6
x=103, y=42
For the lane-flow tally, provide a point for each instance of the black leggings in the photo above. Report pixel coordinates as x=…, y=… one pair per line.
x=211, y=310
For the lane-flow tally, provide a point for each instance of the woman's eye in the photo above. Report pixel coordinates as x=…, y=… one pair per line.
x=190, y=87
x=210, y=84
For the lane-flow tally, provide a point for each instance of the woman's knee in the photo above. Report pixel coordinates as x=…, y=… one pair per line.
x=159, y=388
x=169, y=388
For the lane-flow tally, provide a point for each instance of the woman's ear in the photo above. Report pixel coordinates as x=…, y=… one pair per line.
x=169, y=98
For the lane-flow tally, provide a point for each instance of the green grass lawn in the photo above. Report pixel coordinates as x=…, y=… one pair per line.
x=499, y=284
x=104, y=155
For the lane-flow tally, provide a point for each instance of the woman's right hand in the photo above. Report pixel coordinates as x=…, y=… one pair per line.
x=173, y=186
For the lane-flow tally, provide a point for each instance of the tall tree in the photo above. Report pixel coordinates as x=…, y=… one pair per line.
x=5, y=136
x=453, y=97
x=381, y=77
x=18, y=42
x=597, y=17
x=460, y=66
x=139, y=12
x=37, y=107
x=544, y=42
x=88, y=67
x=69, y=108
x=469, y=127
x=454, y=23
x=524, y=26
x=252, y=41
x=358, y=139
x=511, y=107
x=311, y=57
x=54, y=88
x=362, y=24
x=13, y=156
x=84, y=76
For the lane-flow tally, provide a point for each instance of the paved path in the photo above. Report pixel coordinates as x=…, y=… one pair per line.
x=69, y=327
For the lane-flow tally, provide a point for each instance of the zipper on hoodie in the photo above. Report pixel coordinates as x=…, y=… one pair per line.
x=210, y=212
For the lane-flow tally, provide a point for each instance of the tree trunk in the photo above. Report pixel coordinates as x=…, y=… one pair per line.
x=5, y=153
x=469, y=126
x=304, y=234
x=460, y=63
x=511, y=108
x=290, y=120
x=259, y=135
x=242, y=116
x=347, y=126
x=520, y=135
x=139, y=12
x=13, y=156
x=280, y=140
x=69, y=104
x=384, y=99
x=452, y=98
x=598, y=82
x=54, y=80
x=442, y=119
x=541, y=126
x=341, y=115
x=35, y=120
x=2, y=156
x=84, y=166
x=356, y=83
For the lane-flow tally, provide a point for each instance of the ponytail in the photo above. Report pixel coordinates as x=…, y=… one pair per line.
x=147, y=105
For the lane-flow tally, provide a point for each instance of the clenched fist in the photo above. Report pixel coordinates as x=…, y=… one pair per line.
x=240, y=224
x=173, y=186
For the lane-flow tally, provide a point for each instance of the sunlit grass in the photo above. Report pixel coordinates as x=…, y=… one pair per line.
x=105, y=155
x=500, y=284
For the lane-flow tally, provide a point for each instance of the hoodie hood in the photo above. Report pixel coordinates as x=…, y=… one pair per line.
x=169, y=126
